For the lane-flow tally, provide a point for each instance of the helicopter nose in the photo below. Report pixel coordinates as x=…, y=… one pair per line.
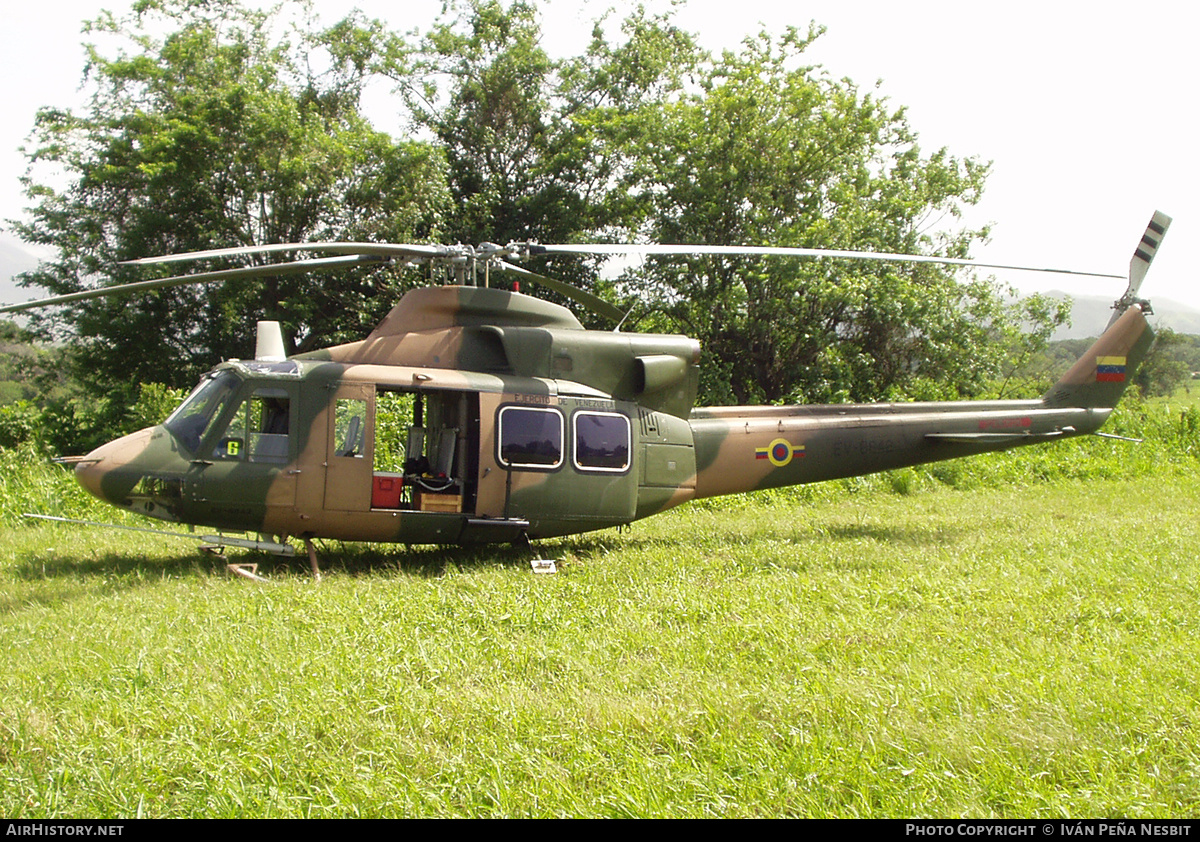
x=98, y=471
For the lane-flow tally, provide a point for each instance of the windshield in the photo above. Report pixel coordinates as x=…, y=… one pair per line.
x=191, y=420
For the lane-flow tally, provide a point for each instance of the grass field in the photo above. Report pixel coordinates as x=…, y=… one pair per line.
x=1012, y=649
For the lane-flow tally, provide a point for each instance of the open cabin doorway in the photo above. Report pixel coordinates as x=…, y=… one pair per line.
x=396, y=449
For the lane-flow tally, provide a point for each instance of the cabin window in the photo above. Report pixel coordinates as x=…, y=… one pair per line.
x=259, y=430
x=350, y=427
x=602, y=441
x=530, y=437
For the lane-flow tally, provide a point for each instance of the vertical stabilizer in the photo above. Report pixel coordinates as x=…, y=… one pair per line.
x=1099, y=377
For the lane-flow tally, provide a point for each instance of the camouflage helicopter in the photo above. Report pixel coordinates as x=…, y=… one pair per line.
x=509, y=421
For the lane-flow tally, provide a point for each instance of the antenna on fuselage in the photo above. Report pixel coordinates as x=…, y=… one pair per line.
x=268, y=346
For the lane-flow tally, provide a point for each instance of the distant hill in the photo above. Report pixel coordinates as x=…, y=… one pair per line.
x=1090, y=314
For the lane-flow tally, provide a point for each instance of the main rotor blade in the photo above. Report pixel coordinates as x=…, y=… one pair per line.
x=377, y=249
x=580, y=296
x=266, y=270
x=782, y=251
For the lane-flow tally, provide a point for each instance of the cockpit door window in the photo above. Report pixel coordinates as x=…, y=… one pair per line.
x=258, y=432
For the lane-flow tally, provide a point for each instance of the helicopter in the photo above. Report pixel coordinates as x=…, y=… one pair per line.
x=474, y=414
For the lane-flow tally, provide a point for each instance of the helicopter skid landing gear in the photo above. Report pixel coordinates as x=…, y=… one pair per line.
x=312, y=559
x=248, y=571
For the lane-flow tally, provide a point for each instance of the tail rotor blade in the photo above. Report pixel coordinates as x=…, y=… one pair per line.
x=1139, y=264
x=1143, y=255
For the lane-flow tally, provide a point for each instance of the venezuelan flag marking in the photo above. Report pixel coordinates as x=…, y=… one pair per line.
x=1110, y=369
x=779, y=452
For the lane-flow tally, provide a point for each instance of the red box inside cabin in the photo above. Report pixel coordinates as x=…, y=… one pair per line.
x=385, y=491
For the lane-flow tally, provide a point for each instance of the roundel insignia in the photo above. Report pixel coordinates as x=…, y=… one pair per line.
x=779, y=452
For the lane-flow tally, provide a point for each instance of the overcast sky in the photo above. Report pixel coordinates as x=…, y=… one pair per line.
x=1086, y=109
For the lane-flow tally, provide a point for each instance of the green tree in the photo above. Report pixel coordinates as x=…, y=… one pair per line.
x=1028, y=361
x=217, y=134
x=1165, y=368
x=767, y=151
x=533, y=142
x=529, y=137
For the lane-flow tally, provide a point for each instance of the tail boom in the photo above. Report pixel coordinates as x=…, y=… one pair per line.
x=735, y=455
x=742, y=449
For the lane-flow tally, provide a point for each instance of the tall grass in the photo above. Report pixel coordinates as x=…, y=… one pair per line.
x=1000, y=648
x=31, y=483
x=982, y=653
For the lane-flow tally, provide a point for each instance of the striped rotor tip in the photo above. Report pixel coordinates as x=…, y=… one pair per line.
x=1155, y=231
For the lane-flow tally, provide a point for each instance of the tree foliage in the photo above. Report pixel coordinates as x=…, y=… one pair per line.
x=215, y=135
x=529, y=138
x=1166, y=367
x=768, y=151
x=220, y=133
x=533, y=142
